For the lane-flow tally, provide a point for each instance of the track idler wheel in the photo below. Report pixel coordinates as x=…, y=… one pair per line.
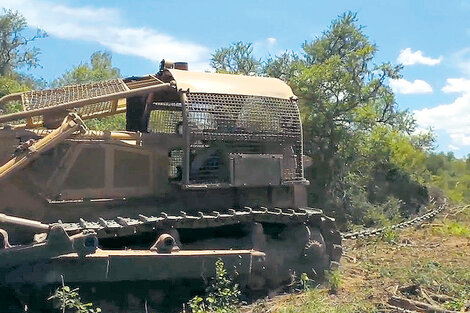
x=285, y=255
x=311, y=249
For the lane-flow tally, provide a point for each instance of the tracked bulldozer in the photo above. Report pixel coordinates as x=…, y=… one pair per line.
x=210, y=167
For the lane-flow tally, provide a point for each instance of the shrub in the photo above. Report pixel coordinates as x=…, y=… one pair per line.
x=68, y=300
x=223, y=295
x=389, y=236
x=334, y=280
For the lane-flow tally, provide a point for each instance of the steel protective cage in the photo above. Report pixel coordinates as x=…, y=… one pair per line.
x=247, y=123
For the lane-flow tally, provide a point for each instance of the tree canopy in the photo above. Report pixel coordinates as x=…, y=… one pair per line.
x=15, y=48
x=99, y=68
x=236, y=59
x=17, y=52
x=360, y=142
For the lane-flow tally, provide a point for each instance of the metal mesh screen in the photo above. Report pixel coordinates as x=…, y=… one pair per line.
x=165, y=122
x=254, y=121
x=242, y=117
x=39, y=99
x=175, y=164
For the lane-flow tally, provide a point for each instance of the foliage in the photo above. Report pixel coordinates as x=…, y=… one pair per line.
x=9, y=85
x=68, y=300
x=383, y=214
x=16, y=53
x=100, y=68
x=238, y=58
x=450, y=174
x=223, y=296
x=353, y=130
x=305, y=282
x=113, y=122
x=284, y=66
x=15, y=50
x=389, y=236
x=453, y=228
x=334, y=280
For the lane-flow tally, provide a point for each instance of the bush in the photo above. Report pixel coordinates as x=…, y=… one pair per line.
x=223, y=296
x=334, y=280
x=389, y=236
x=384, y=214
x=68, y=300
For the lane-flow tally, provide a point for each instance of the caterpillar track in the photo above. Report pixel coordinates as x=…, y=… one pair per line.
x=321, y=240
x=408, y=223
x=292, y=241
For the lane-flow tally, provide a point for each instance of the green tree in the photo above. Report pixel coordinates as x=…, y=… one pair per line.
x=15, y=47
x=284, y=66
x=450, y=174
x=238, y=58
x=365, y=151
x=344, y=97
x=16, y=52
x=100, y=68
x=363, y=148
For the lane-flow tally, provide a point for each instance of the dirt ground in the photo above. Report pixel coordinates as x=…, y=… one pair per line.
x=429, y=264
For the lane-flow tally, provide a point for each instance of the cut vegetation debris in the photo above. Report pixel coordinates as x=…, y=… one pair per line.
x=426, y=269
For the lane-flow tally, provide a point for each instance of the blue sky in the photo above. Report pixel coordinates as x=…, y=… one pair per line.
x=431, y=37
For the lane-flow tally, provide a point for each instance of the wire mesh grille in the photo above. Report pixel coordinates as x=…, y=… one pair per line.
x=242, y=117
x=175, y=164
x=245, y=124
x=166, y=122
x=39, y=99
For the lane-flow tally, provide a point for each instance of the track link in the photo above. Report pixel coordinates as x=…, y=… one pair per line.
x=125, y=226
x=377, y=231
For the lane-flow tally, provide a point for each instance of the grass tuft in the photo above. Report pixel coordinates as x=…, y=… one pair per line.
x=453, y=228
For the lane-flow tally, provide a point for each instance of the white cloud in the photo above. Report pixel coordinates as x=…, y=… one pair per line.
x=459, y=85
x=106, y=27
x=406, y=87
x=271, y=41
x=410, y=57
x=462, y=60
x=453, y=148
x=453, y=118
x=461, y=139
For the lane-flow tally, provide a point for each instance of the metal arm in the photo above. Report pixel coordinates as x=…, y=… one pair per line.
x=18, y=221
x=76, y=103
x=33, y=150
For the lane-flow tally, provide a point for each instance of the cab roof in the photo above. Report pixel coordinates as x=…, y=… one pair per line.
x=198, y=82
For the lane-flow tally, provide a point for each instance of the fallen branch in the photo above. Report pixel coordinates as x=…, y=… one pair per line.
x=431, y=225
x=351, y=258
x=440, y=298
x=410, y=289
x=394, y=309
x=425, y=295
x=418, y=306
